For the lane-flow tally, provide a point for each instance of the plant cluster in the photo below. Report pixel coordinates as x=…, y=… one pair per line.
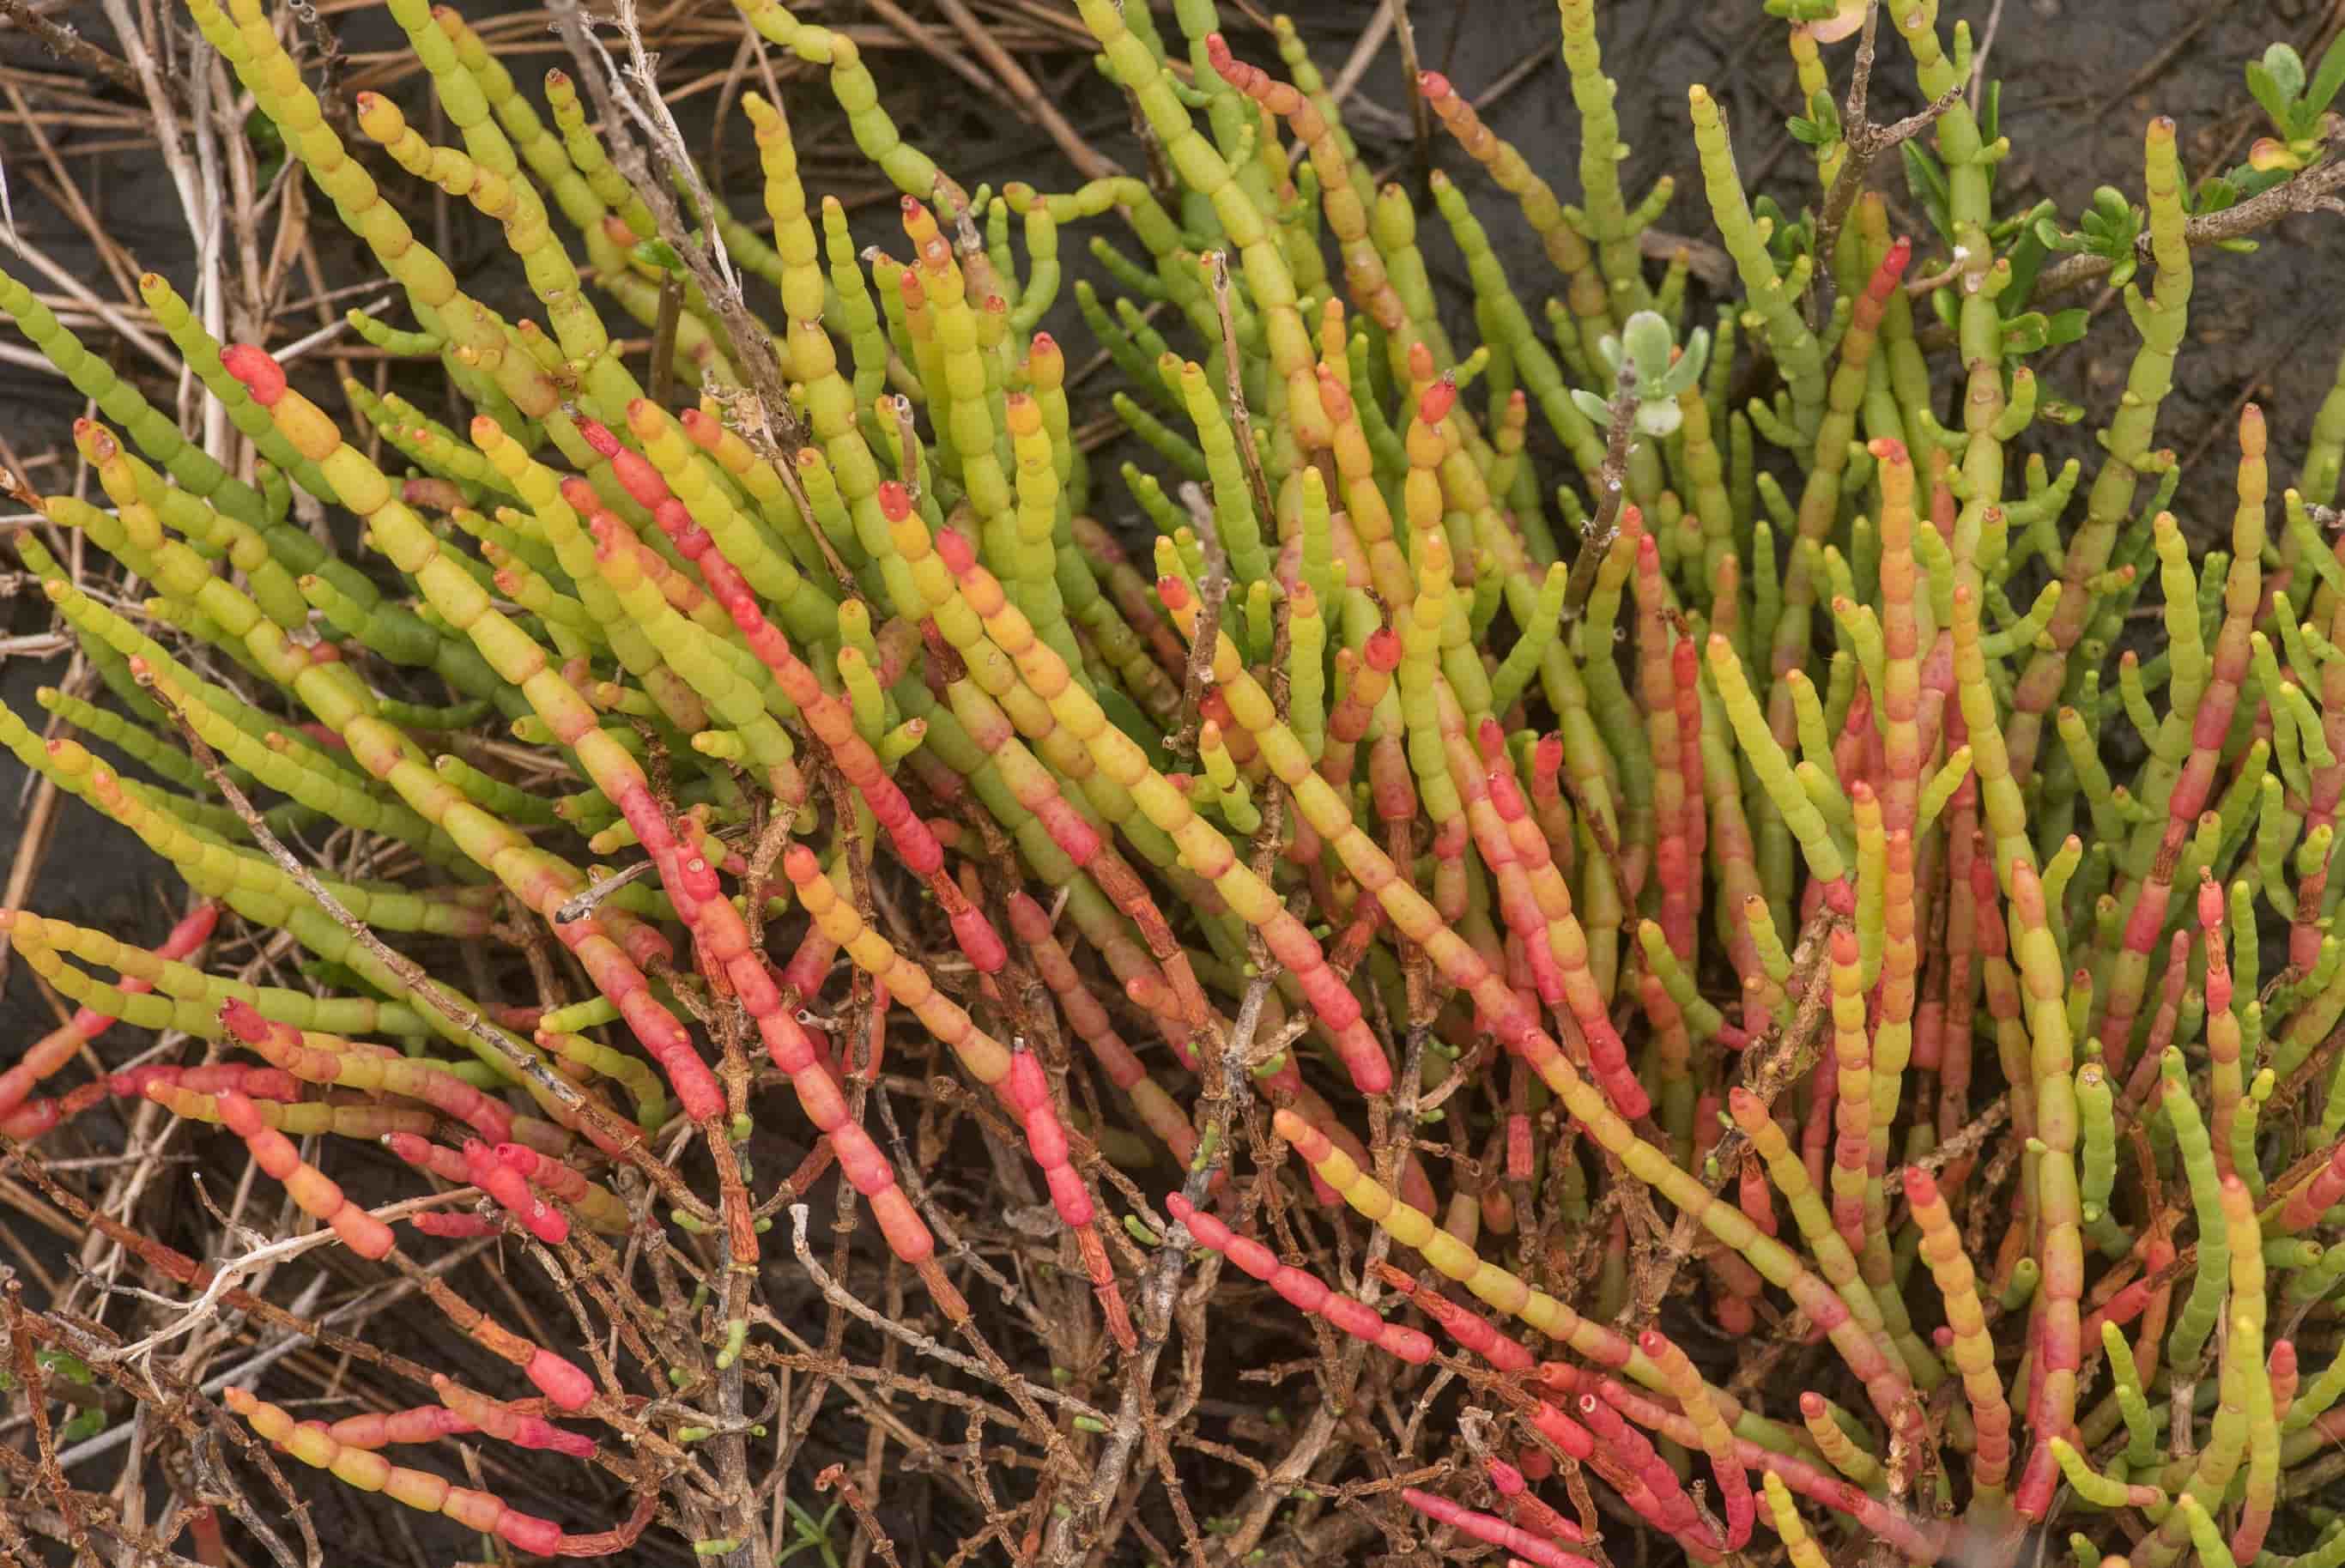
x=1620, y=869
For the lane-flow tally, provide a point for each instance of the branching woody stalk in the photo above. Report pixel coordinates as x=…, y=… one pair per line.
x=1526, y=891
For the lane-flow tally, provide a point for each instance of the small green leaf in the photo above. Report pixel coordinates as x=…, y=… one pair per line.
x=267, y=143
x=1927, y=182
x=2254, y=182
x=2026, y=259
x=2277, y=105
x=1825, y=113
x=2011, y=225
x=658, y=253
x=2066, y=327
x=1696, y=353
x=2286, y=68
x=2026, y=333
x=2214, y=193
x=2049, y=235
x=2328, y=80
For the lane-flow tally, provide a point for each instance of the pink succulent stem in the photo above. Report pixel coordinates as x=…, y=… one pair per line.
x=1655, y=1492
x=1465, y=1325
x=1919, y=1541
x=1492, y=1531
x=340, y=1064
x=1524, y=1508
x=209, y=1079
x=1693, y=1397
x=511, y=1191
x=1090, y=1021
x=1027, y=1092
x=2281, y=1367
x=364, y=1468
x=510, y=1423
x=1300, y=1289
x=386, y=1429
x=310, y=1187
x=726, y=941
x=450, y=1227
x=2317, y=1197
x=1676, y=864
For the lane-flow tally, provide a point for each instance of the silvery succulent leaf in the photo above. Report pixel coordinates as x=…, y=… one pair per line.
x=1657, y=418
x=1594, y=406
x=1680, y=377
x=1696, y=356
x=1648, y=342
x=1608, y=346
